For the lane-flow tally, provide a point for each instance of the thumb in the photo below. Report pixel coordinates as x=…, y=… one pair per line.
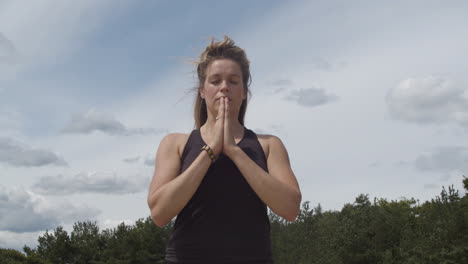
x=227, y=118
x=220, y=116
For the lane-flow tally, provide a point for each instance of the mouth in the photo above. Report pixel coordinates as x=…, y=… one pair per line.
x=217, y=99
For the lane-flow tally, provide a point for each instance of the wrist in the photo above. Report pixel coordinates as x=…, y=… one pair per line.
x=209, y=151
x=231, y=151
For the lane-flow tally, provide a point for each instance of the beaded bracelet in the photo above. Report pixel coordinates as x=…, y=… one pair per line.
x=210, y=153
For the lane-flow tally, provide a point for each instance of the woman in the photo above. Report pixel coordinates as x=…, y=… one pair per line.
x=219, y=179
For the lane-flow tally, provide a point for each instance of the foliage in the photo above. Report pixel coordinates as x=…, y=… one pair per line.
x=365, y=231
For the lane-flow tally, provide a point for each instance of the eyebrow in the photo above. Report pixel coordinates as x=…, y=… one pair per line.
x=217, y=75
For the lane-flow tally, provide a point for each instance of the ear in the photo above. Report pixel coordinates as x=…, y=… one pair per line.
x=201, y=91
x=244, y=94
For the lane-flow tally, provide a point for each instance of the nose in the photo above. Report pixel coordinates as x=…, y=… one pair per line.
x=224, y=86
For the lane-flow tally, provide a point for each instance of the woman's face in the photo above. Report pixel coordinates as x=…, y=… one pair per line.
x=223, y=79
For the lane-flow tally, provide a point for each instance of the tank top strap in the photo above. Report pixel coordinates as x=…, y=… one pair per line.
x=252, y=147
x=193, y=141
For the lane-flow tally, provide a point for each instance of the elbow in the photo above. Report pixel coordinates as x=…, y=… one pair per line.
x=158, y=214
x=291, y=217
x=155, y=215
x=157, y=219
x=292, y=209
x=157, y=222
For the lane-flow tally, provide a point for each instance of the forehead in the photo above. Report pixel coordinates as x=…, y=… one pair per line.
x=223, y=67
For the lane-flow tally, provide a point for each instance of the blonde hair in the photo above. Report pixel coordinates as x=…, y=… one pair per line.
x=225, y=49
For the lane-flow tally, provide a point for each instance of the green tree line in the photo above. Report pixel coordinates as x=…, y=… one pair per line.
x=365, y=231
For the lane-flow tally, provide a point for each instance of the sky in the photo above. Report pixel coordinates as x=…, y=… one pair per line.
x=369, y=97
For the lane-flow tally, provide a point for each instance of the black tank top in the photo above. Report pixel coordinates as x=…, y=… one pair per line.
x=224, y=221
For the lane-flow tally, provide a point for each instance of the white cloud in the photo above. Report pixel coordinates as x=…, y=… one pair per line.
x=445, y=177
x=24, y=211
x=444, y=159
x=93, y=120
x=310, y=97
x=281, y=82
x=131, y=159
x=93, y=182
x=277, y=129
x=16, y=154
x=17, y=241
x=322, y=64
x=428, y=100
x=431, y=186
x=18, y=212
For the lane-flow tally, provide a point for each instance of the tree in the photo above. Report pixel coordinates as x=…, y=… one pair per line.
x=55, y=247
x=384, y=232
x=11, y=256
x=86, y=242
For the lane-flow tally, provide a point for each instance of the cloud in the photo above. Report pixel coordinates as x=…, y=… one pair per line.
x=260, y=131
x=41, y=30
x=445, y=177
x=443, y=159
x=9, y=121
x=131, y=159
x=403, y=163
x=17, y=241
x=321, y=64
x=279, y=86
x=24, y=211
x=428, y=100
x=15, y=154
x=431, y=186
x=7, y=50
x=281, y=82
x=149, y=161
x=93, y=182
x=93, y=120
x=271, y=130
x=310, y=97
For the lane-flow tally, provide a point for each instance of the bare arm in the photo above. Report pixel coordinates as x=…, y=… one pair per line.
x=170, y=192
x=277, y=188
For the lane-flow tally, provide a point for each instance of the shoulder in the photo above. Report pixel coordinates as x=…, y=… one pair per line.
x=275, y=152
x=269, y=142
x=175, y=141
